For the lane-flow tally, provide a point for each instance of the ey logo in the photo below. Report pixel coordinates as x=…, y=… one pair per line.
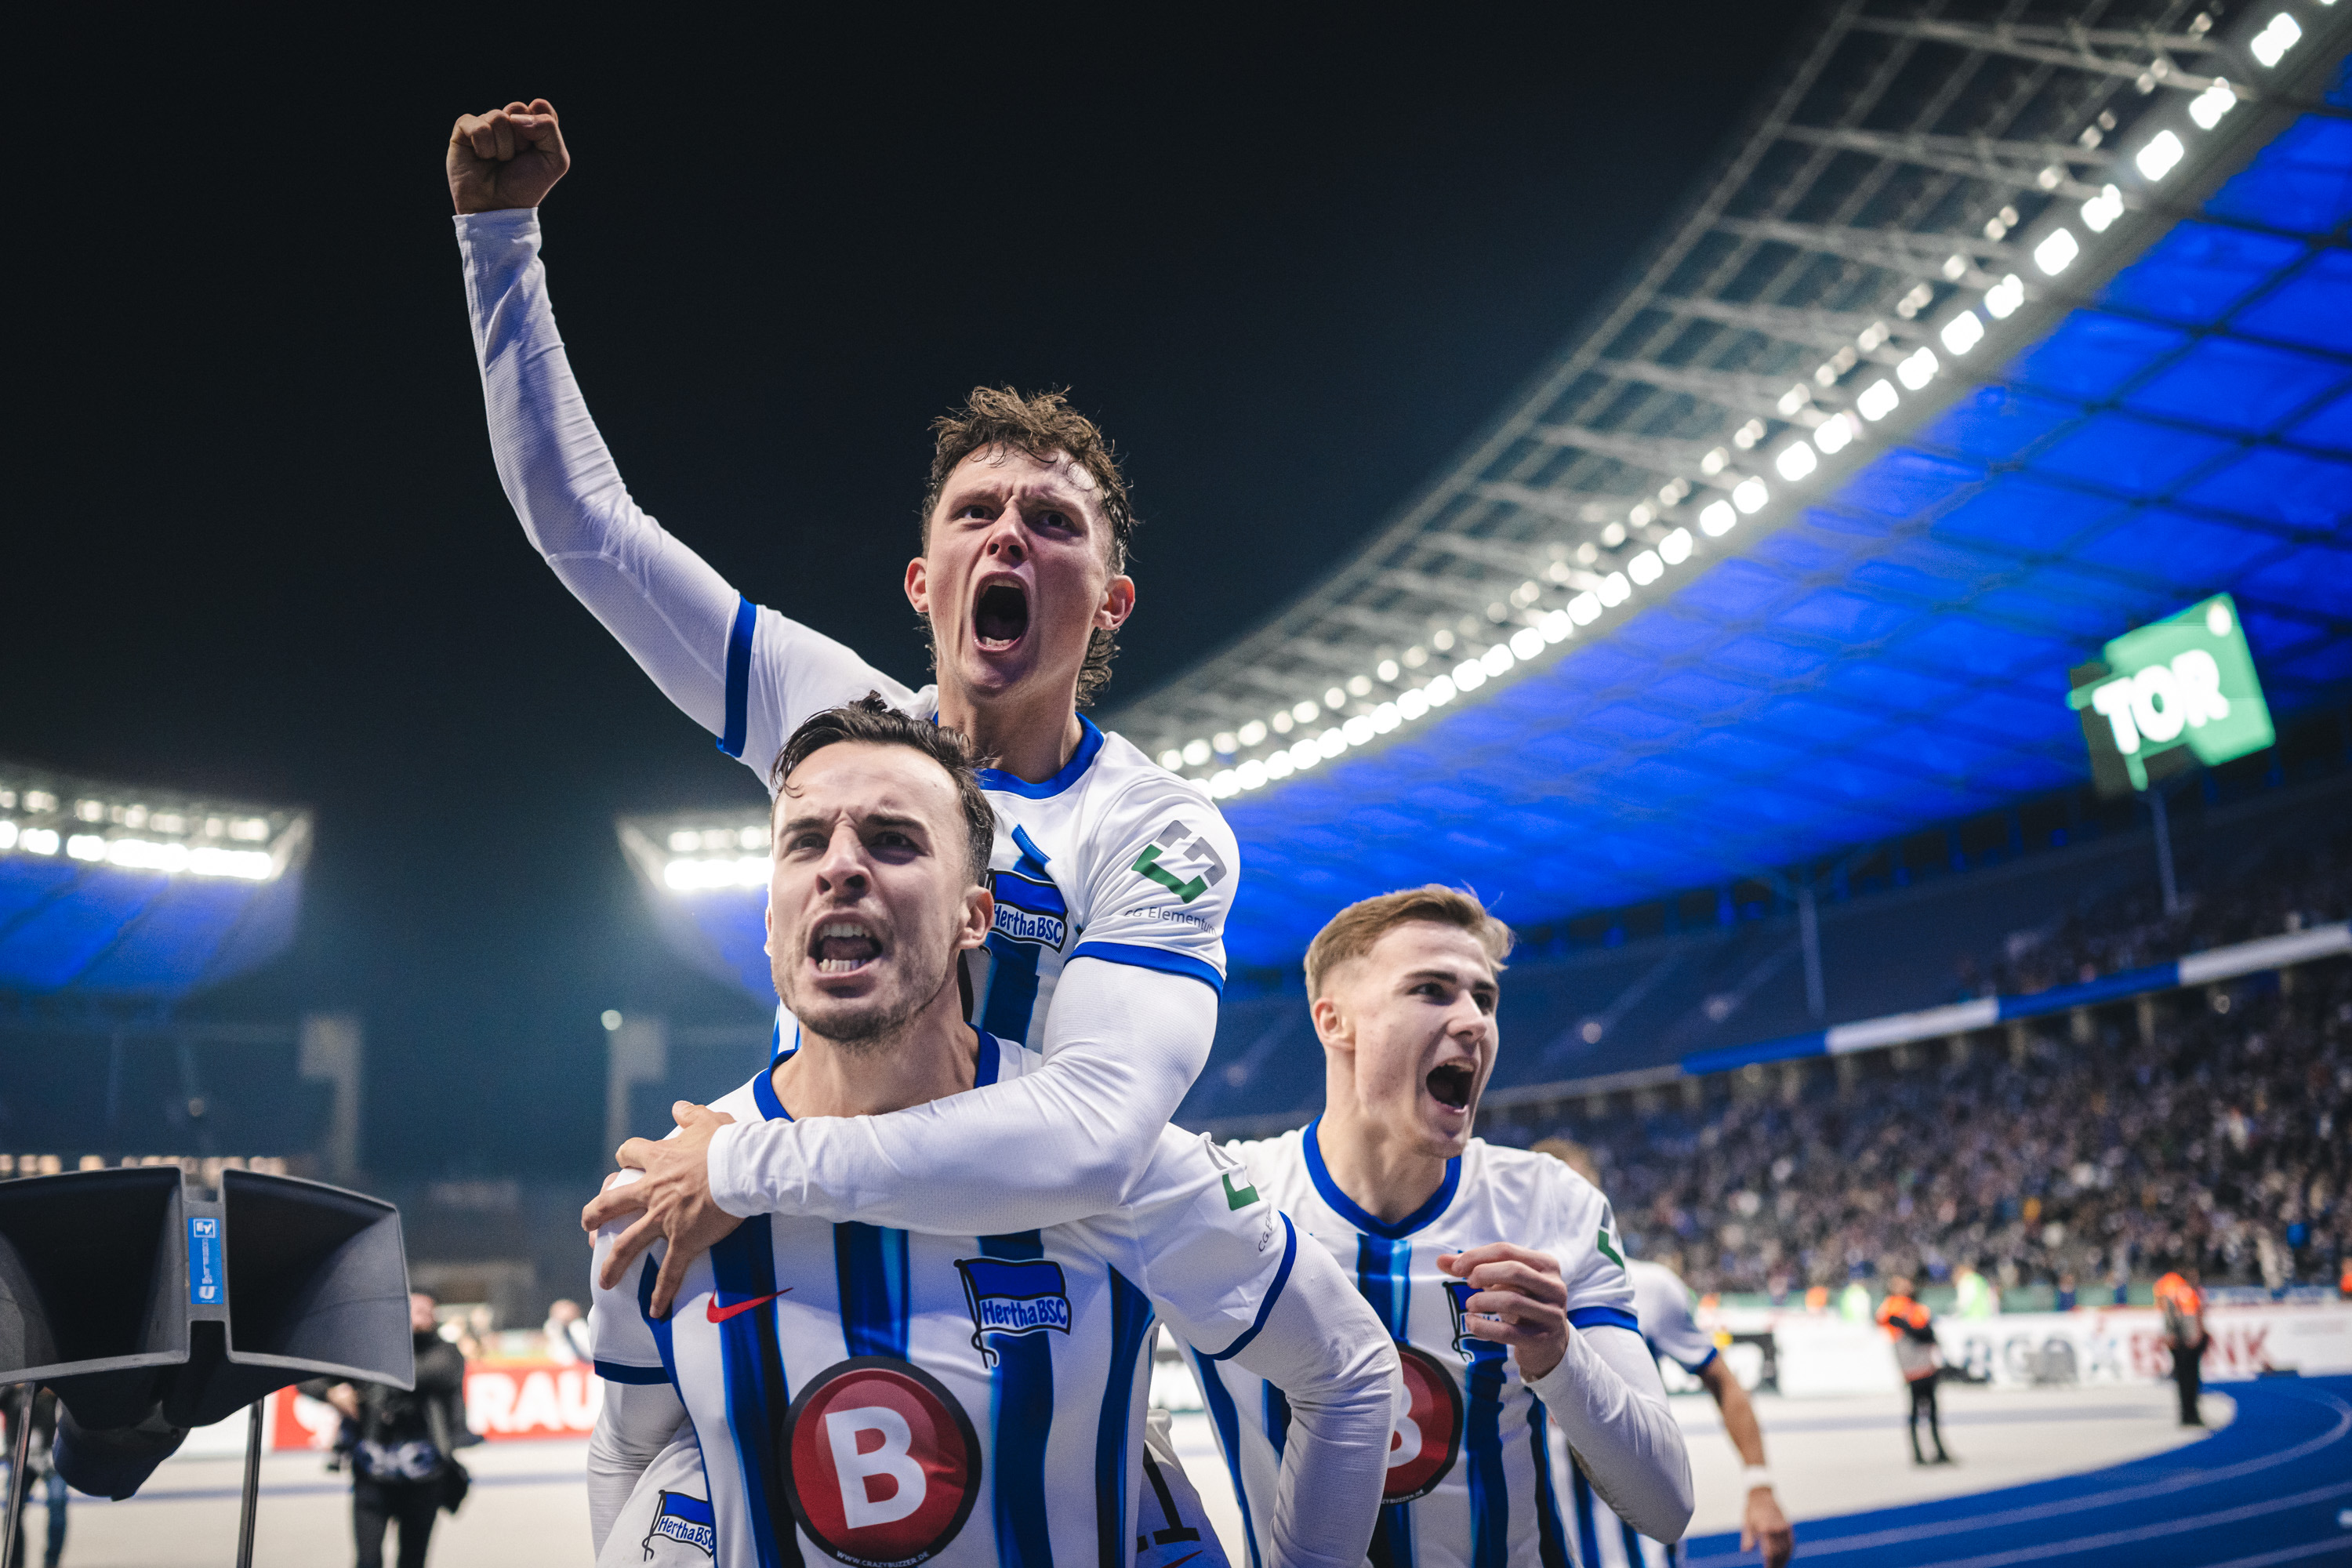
x=1175, y=850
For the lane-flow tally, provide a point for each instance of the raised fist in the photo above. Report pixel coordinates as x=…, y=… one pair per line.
x=510, y=157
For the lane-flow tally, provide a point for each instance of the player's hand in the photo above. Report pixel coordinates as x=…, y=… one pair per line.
x=672, y=1199
x=1764, y=1523
x=510, y=157
x=1521, y=1302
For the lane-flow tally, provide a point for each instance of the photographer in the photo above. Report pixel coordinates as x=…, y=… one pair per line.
x=403, y=1464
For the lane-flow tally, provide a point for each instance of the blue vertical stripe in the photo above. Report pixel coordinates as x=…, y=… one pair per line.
x=1278, y=1419
x=743, y=1266
x=1227, y=1421
x=739, y=675
x=1482, y=1440
x=1384, y=1276
x=1588, y=1536
x=1131, y=1330
x=1012, y=965
x=869, y=1265
x=1551, y=1537
x=1021, y=1390
x=1632, y=1543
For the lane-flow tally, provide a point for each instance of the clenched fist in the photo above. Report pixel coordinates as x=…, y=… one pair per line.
x=510, y=157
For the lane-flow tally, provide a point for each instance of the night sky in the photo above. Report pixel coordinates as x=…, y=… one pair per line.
x=255, y=546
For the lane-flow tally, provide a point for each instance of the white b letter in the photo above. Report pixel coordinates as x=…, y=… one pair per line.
x=892, y=1459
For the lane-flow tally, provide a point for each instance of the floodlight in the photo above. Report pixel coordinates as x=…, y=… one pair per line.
x=1304, y=755
x=1835, y=432
x=1527, y=642
x=1251, y=774
x=1386, y=717
x=1718, y=518
x=1413, y=704
x=1358, y=730
x=40, y=840
x=1877, y=400
x=1675, y=548
x=2270, y=46
x=1280, y=766
x=2058, y=250
x=1304, y=712
x=1330, y=743
x=1646, y=568
x=1557, y=627
x=1749, y=494
x=1253, y=732
x=1223, y=783
x=1917, y=369
x=1961, y=334
x=1171, y=759
x=2163, y=150
x=2003, y=298
x=1469, y=676
x=1614, y=590
x=1795, y=460
x=1585, y=608
x=2207, y=107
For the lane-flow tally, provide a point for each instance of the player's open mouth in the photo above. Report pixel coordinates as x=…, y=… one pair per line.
x=999, y=617
x=1450, y=1085
x=841, y=947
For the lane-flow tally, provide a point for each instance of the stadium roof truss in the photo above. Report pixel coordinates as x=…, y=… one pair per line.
x=112, y=894
x=1991, y=338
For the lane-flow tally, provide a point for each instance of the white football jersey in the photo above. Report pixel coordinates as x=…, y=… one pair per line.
x=883, y=1397
x=1663, y=1303
x=1470, y=1474
x=1113, y=858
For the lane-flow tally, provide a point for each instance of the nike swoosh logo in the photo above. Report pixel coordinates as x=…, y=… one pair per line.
x=719, y=1314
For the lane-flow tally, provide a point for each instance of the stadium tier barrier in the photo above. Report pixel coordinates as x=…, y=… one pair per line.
x=2205, y=968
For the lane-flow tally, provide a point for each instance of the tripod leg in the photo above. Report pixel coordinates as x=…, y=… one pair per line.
x=19, y=1463
x=252, y=1487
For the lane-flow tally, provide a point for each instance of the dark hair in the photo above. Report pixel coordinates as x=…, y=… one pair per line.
x=875, y=722
x=1044, y=425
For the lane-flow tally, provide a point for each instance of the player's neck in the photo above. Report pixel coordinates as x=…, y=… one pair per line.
x=1387, y=1176
x=1030, y=733
x=935, y=1054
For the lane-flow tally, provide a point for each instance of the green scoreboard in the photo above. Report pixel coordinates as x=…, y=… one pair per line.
x=2171, y=695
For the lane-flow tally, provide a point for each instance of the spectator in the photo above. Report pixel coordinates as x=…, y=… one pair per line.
x=2184, y=1336
x=567, y=1334
x=43, y=1468
x=1973, y=1295
x=1919, y=1359
x=2064, y=1299
x=404, y=1462
x=1853, y=1302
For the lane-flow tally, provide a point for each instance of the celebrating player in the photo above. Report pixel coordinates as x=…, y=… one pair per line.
x=1497, y=1271
x=1112, y=876
x=1663, y=1303
x=884, y=1397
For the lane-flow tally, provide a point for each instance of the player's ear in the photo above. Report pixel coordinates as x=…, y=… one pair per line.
x=1332, y=1026
x=918, y=585
x=979, y=919
x=1118, y=603
x=768, y=923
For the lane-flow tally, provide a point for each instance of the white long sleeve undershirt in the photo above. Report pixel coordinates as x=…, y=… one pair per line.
x=1122, y=1044
x=1611, y=1405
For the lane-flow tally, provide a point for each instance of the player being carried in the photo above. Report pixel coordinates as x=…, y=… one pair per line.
x=1111, y=876
x=1496, y=1270
x=882, y=1397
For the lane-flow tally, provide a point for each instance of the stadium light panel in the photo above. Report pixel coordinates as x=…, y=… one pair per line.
x=1585, y=608
x=1715, y=520
x=1835, y=433
x=1646, y=568
x=1527, y=641
x=1918, y=370
x=1614, y=590
x=1795, y=460
x=1255, y=731
x=2101, y=211
x=1674, y=549
x=2001, y=300
x=2207, y=107
x=2270, y=46
x=2057, y=251
x=1877, y=400
x=1749, y=495
x=2157, y=159
x=1961, y=334
x=39, y=841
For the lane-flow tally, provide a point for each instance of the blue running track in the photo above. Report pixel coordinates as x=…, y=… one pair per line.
x=2273, y=1487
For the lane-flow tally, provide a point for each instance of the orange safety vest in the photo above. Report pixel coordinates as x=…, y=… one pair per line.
x=2188, y=1299
x=1897, y=1311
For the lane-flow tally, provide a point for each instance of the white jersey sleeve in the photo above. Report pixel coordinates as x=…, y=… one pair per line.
x=1158, y=874
x=747, y=675
x=1663, y=1303
x=1228, y=1272
x=642, y=1414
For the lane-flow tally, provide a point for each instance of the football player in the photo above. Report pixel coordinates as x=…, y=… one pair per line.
x=1111, y=876
x=1497, y=1271
x=883, y=1397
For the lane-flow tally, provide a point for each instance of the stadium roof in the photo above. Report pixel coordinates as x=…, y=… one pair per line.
x=1988, y=340
x=124, y=893
x=705, y=877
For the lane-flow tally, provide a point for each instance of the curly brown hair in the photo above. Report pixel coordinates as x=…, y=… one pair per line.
x=1044, y=425
x=873, y=721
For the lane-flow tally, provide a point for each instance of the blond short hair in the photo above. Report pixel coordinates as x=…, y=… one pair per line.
x=1352, y=933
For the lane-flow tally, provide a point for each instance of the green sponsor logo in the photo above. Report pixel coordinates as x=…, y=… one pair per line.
x=1175, y=850
x=1600, y=1239
x=1239, y=1197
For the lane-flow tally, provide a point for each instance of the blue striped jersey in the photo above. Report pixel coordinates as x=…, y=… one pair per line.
x=1663, y=1303
x=881, y=1397
x=1471, y=1477
x=1113, y=858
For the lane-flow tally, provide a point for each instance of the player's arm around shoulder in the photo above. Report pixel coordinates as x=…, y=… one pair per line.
x=1235, y=1279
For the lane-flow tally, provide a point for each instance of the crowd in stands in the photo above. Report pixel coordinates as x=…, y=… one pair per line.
x=2211, y=1128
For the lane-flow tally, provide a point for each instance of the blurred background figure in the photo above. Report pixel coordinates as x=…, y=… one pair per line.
x=1910, y=1325
x=44, y=1472
x=1853, y=1302
x=2183, y=1305
x=2065, y=1298
x=1973, y=1294
x=1663, y=1303
x=404, y=1459
x=567, y=1333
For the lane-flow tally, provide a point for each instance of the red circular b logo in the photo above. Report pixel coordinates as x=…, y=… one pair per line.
x=881, y=1462
x=1428, y=1435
